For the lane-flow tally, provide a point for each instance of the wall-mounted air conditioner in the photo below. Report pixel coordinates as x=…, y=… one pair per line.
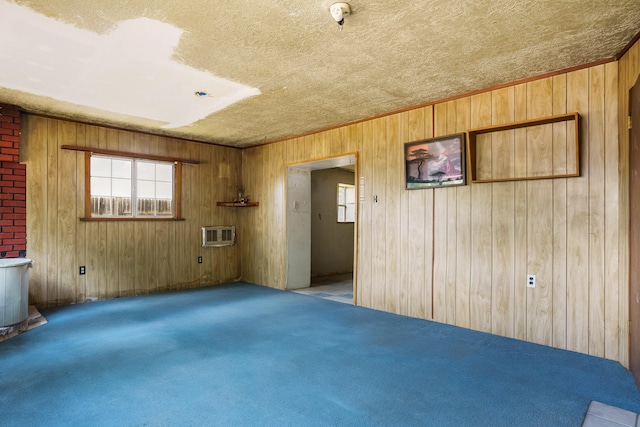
x=213, y=237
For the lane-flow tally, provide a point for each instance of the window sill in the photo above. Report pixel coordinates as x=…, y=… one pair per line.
x=128, y=219
x=237, y=205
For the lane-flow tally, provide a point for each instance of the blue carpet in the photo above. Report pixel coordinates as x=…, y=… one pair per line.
x=245, y=355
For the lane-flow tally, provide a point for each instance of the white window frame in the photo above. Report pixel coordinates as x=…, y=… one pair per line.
x=346, y=205
x=134, y=215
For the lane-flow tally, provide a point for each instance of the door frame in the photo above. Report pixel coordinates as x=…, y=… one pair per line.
x=634, y=233
x=341, y=160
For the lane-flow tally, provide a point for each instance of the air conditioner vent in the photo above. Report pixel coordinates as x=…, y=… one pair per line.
x=213, y=237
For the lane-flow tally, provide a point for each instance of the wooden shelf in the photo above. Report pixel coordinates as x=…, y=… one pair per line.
x=472, y=148
x=237, y=205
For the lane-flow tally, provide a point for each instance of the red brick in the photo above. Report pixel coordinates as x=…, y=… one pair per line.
x=6, y=158
x=12, y=172
x=7, y=150
x=15, y=190
x=13, y=177
x=6, y=144
x=4, y=210
x=6, y=119
x=6, y=197
x=4, y=248
x=20, y=223
x=10, y=138
x=20, y=210
x=6, y=223
x=14, y=126
x=10, y=112
x=14, y=241
x=4, y=131
x=13, y=185
x=14, y=165
x=20, y=236
x=7, y=235
x=12, y=216
x=12, y=254
x=13, y=229
x=16, y=203
x=20, y=247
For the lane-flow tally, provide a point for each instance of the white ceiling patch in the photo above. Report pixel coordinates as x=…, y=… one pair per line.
x=129, y=70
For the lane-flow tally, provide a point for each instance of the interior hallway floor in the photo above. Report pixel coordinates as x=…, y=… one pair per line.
x=336, y=287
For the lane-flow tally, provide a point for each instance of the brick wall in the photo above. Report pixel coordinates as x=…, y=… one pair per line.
x=13, y=190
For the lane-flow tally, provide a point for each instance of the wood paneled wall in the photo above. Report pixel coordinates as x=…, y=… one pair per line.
x=461, y=255
x=121, y=258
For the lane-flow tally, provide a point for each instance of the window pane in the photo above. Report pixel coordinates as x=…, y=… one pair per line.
x=121, y=187
x=101, y=206
x=346, y=202
x=122, y=206
x=341, y=197
x=351, y=194
x=146, y=190
x=121, y=168
x=164, y=172
x=100, y=166
x=100, y=186
x=164, y=190
x=350, y=215
x=146, y=207
x=164, y=207
x=146, y=171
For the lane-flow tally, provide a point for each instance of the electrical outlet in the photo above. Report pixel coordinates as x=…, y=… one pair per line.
x=82, y=269
x=199, y=260
x=531, y=280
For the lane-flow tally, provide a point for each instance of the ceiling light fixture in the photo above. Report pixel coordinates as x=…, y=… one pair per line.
x=339, y=11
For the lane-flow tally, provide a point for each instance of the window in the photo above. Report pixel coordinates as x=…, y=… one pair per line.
x=346, y=203
x=131, y=188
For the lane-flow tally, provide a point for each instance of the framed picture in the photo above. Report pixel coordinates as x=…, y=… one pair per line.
x=435, y=162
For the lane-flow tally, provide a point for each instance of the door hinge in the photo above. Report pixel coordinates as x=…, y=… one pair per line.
x=629, y=122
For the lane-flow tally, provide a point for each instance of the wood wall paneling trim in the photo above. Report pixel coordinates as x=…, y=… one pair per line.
x=472, y=146
x=120, y=153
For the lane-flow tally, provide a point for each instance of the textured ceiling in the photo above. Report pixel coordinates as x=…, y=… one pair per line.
x=296, y=70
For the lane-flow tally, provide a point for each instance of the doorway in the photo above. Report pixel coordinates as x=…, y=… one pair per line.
x=299, y=223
